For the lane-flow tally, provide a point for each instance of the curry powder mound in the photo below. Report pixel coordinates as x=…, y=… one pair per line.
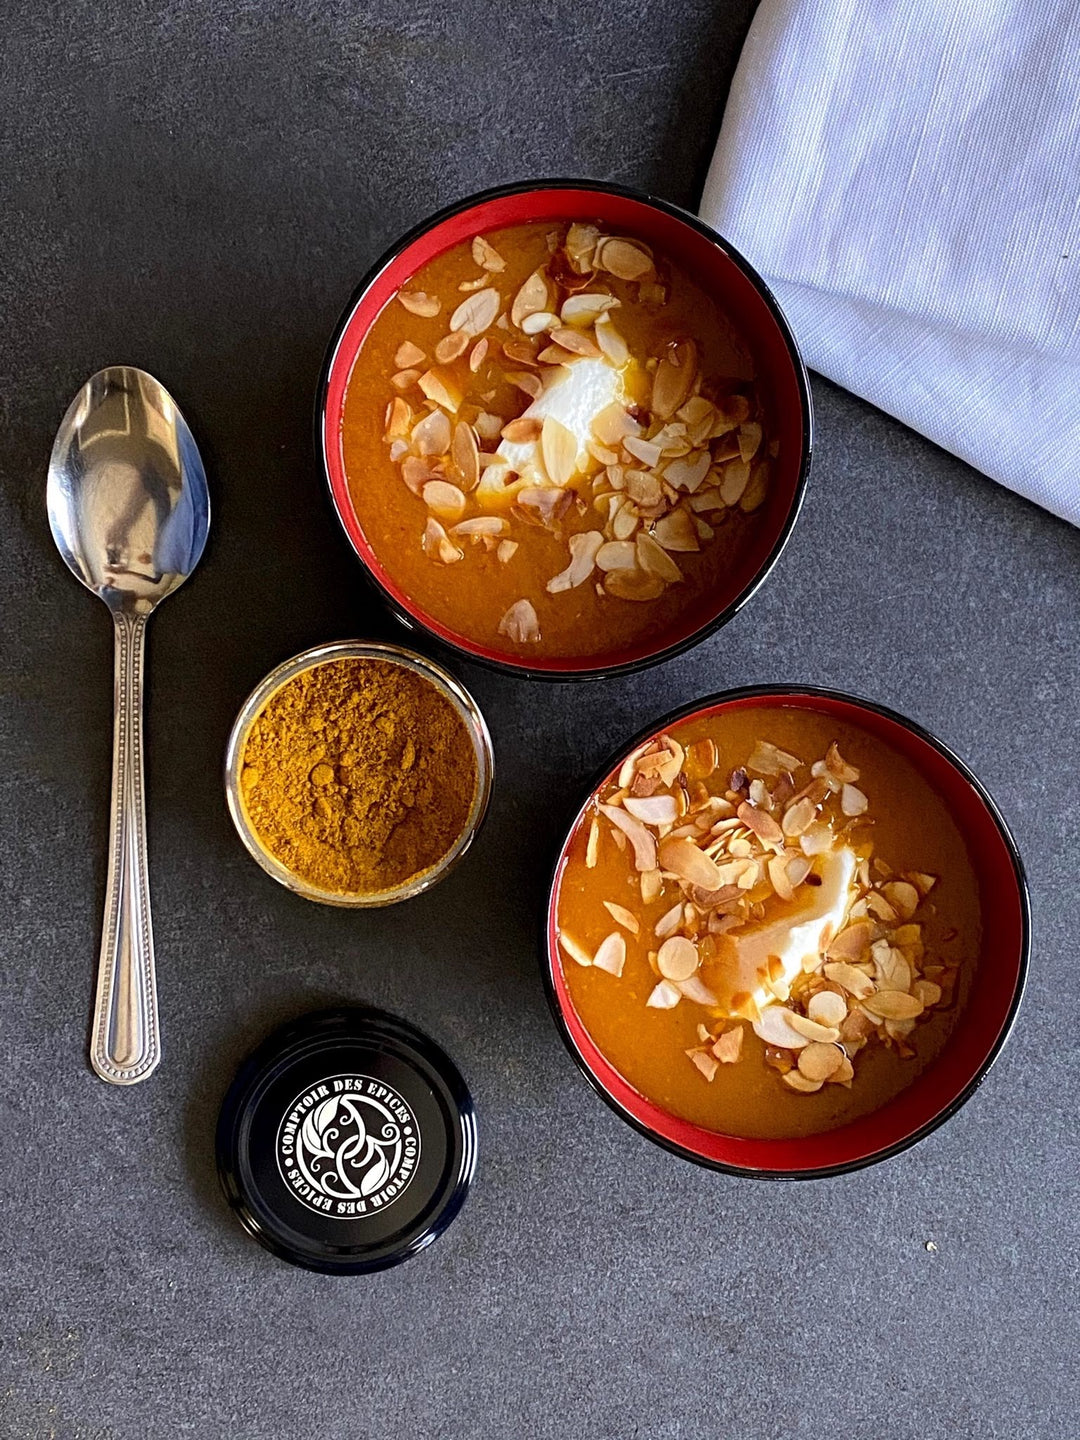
x=358, y=775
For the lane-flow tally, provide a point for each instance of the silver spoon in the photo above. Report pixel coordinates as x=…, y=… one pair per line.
x=129, y=511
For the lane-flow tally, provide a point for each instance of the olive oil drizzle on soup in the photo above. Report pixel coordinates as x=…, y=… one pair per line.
x=816, y=990
x=555, y=444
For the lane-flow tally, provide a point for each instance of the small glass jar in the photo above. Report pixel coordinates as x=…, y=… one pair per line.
x=452, y=690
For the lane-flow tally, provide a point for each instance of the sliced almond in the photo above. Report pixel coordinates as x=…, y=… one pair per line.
x=432, y=434
x=761, y=823
x=624, y=259
x=923, y=883
x=616, y=555
x=819, y=1061
x=677, y=959
x=506, y=551
x=437, y=545
x=827, y=1008
x=653, y=809
x=796, y=1080
x=611, y=341
x=733, y=481
x=581, y=243
x=705, y=1061
x=408, y=356
x=641, y=839
x=576, y=341
x=893, y=1005
x=688, y=472
x=728, y=1046
x=559, y=448
x=522, y=431
x=586, y=307
x=902, y=896
x=811, y=1029
x=611, y=954
x=476, y=312
x=592, y=845
x=465, y=453
x=669, y=922
x=655, y=559
x=665, y=996
x=446, y=500
x=674, y=379
x=532, y=296
x=684, y=859
x=633, y=585
x=419, y=303
x=774, y=1028
x=853, y=801
x=404, y=379
x=477, y=355
x=927, y=992
x=398, y=418
x=452, y=346
x=486, y=256
x=520, y=623
x=749, y=439
x=799, y=817
x=675, y=531
x=583, y=551
x=626, y=918
x=574, y=950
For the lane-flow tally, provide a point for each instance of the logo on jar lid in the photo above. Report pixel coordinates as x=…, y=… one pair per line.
x=348, y=1146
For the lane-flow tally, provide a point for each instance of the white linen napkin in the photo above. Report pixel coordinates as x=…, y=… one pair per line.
x=906, y=176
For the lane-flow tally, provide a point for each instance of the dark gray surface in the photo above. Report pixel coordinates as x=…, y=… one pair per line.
x=196, y=189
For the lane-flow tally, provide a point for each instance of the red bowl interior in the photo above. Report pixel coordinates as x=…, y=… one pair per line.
x=710, y=262
x=981, y=1028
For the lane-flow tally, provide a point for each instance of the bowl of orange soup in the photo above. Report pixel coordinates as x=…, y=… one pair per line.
x=566, y=428
x=787, y=934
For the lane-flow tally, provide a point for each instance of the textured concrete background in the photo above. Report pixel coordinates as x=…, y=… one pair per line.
x=195, y=188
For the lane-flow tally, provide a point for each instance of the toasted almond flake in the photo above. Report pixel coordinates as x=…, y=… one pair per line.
x=488, y=426
x=818, y=1061
x=827, y=1008
x=624, y=522
x=669, y=922
x=684, y=859
x=586, y=307
x=442, y=387
x=626, y=918
x=675, y=531
x=749, y=439
x=417, y=471
x=705, y=1061
x=774, y=1028
x=768, y=759
x=633, y=585
x=592, y=845
x=404, y=379
x=696, y=990
x=437, y=545
x=559, y=448
x=926, y=992
x=652, y=884
x=506, y=551
x=893, y=1005
x=811, y=1029
x=688, y=472
x=665, y=997
x=653, y=809
x=476, y=312
x=556, y=355
x=581, y=241
x=902, y=896
x=643, y=842
x=486, y=256
x=624, y=260
x=611, y=342
x=778, y=877
x=655, y=559
x=891, y=969
x=477, y=355
x=583, y=550
x=418, y=303
x=574, y=950
x=853, y=801
x=647, y=451
x=520, y=623
x=613, y=423
x=532, y=296
x=674, y=379
x=577, y=342
x=432, y=434
x=923, y=883
x=838, y=767
x=446, y=500
x=522, y=431
x=877, y=905
x=539, y=321
x=799, y=817
x=844, y=1075
x=611, y=954
x=398, y=419
x=451, y=347
x=527, y=382
x=465, y=453
x=733, y=481
x=616, y=555
x=677, y=958
x=796, y=1080
x=761, y=823
x=408, y=355
x=398, y=450
x=728, y=1046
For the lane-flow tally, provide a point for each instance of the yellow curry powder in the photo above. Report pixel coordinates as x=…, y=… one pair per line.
x=357, y=775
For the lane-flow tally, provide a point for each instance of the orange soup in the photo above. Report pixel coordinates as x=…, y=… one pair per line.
x=768, y=922
x=554, y=442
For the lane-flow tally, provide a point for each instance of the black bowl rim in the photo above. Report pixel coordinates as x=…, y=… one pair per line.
x=679, y=647
x=778, y=692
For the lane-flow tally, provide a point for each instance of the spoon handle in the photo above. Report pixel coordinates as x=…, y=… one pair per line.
x=125, y=1046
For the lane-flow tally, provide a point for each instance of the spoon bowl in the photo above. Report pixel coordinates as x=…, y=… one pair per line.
x=129, y=510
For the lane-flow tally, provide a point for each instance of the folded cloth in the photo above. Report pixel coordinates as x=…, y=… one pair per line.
x=906, y=176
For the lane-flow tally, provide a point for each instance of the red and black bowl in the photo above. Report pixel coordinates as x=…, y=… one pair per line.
x=982, y=1027
x=717, y=267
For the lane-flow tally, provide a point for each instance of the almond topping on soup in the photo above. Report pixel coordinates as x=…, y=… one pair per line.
x=796, y=942
x=583, y=384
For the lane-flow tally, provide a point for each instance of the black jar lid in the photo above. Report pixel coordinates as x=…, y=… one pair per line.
x=347, y=1141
